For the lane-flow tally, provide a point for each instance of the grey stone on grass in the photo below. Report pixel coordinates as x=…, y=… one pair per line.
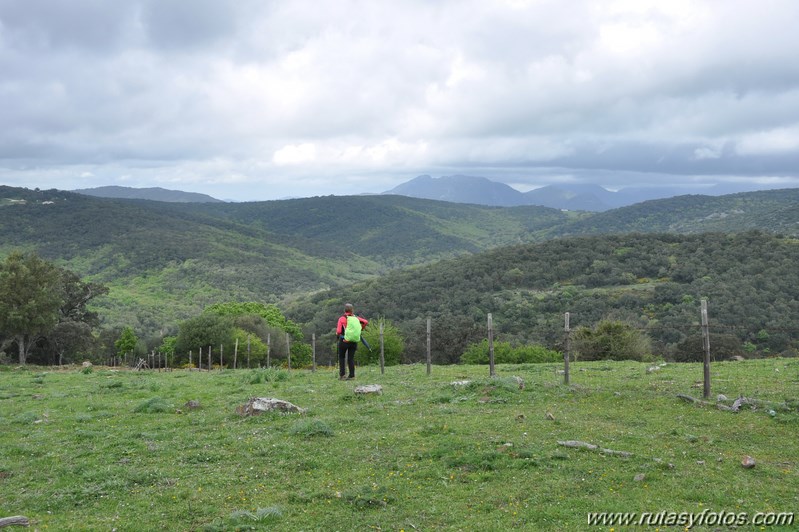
x=369, y=388
x=258, y=405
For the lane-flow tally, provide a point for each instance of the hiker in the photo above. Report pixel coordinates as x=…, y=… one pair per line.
x=348, y=332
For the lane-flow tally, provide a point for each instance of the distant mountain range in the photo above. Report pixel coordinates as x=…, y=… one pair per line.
x=471, y=190
x=573, y=197
x=154, y=194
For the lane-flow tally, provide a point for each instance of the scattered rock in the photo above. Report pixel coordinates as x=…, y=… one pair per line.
x=700, y=462
x=192, y=405
x=737, y=358
x=258, y=405
x=739, y=403
x=550, y=416
x=652, y=369
x=721, y=398
x=461, y=383
x=87, y=364
x=521, y=417
x=639, y=477
x=519, y=381
x=14, y=520
x=748, y=462
x=369, y=388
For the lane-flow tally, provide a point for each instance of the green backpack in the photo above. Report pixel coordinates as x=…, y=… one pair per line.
x=352, y=333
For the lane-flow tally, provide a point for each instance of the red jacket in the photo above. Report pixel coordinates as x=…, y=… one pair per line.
x=342, y=323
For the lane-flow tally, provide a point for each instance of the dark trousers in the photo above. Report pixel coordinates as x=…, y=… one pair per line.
x=346, y=350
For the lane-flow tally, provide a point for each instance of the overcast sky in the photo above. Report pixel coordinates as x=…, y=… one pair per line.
x=258, y=99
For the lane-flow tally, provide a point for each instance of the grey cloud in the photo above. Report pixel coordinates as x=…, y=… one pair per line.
x=89, y=25
x=209, y=91
x=178, y=24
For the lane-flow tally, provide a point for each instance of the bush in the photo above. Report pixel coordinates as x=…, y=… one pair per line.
x=611, y=340
x=393, y=344
x=152, y=406
x=257, y=376
x=505, y=353
x=722, y=347
x=310, y=428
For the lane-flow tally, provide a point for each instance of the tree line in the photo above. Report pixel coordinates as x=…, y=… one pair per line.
x=651, y=284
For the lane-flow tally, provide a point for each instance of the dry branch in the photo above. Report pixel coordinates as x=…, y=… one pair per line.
x=689, y=399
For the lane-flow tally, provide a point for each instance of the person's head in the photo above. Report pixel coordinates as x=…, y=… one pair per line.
x=348, y=308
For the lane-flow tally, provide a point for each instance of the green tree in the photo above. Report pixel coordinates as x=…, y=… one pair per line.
x=70, y=338
x=270, y=313
x=393, y=344
x=203, y=331
x=167, y=346
x=126, y=343
x=30, y=300
x=611, y=340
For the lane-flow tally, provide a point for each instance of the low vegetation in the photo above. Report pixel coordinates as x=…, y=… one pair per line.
x=452, y=450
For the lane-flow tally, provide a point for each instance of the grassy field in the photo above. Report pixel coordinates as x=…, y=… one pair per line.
x=118, y=450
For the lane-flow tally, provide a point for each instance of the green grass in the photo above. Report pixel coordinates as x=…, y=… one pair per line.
x=119, y=450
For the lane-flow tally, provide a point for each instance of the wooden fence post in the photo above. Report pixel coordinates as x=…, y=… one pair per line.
x=288, y=350
x=706, y=345
x=200, y=359
x=567, y=332
x=491, y=369
x=248, y=351
x=268, y=347
x=313, y=352
x=236, y=353
x=428, y=344
x=382, y=351
x=209, y=358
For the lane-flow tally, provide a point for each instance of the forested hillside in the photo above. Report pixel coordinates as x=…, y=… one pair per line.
x=654, y=282
x=164, y=262
x=768, y=210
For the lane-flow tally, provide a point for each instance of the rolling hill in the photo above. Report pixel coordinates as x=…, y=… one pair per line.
x=152, y=193
x=166, y=261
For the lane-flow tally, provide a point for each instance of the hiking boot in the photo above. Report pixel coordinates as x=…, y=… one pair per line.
x=351, y=378
x=342, y=378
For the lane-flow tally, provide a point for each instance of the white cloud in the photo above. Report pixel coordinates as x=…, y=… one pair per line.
x=707, y=152
x=295, y=154
x=775, y=141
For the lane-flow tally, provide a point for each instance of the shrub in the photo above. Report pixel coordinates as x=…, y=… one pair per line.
x=611, y=340
x=722, y=347
x=311, y=427
x=505, y=353
x=152, y=406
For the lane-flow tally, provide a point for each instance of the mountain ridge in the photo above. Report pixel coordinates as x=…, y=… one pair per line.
x=147, y=193
x=565, y=196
